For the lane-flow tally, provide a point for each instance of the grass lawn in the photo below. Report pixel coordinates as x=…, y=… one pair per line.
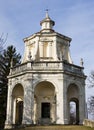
x=57, y=127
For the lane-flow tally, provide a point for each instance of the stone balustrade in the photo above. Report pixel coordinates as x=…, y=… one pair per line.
x=89, y=123
x=47, y=66
x=73, y=68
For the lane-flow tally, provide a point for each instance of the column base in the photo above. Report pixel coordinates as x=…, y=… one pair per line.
x=27, y=122
x=66, y=122
x=80, y=122
x=8, y=126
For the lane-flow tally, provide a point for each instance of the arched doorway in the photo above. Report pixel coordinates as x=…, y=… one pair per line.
x=17, y=101
x=73, y=104
x=44, y=106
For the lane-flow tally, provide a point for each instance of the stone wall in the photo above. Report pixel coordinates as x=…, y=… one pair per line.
x=89, y=123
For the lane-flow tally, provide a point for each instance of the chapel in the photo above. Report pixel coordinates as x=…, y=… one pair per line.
x=42, y=87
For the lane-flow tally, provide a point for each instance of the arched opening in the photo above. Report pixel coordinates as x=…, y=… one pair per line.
x=44, y=106
x=74, y=111
x=17, y=96
x=19, y=111
x=73, y=104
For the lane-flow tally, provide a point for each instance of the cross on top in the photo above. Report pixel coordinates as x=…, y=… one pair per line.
x=47, y=10
x=47, y=13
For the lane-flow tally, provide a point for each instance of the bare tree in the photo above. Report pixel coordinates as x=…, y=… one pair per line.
x=91, y=98
x=91, y=106
x=91, y=79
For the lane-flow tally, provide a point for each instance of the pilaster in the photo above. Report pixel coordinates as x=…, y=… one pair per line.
x=50, y=49
x=65, y=103
x=28, y=103
x=8, y=122
x=59, y=104
x=55, y=49
x=82, y=106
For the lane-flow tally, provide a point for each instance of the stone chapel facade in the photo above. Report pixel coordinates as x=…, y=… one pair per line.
x=41, y=88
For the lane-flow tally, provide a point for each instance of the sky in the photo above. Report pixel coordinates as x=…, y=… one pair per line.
x=73, y=18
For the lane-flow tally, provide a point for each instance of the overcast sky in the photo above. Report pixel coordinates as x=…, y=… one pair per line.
x=73, y=18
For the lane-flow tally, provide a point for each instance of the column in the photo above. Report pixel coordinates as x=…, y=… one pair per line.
x=14, y=110
x=28, y=103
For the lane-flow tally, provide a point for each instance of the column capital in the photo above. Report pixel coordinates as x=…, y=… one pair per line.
x=50, y=43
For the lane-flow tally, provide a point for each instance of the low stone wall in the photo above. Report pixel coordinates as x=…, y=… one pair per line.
x=89, y=123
